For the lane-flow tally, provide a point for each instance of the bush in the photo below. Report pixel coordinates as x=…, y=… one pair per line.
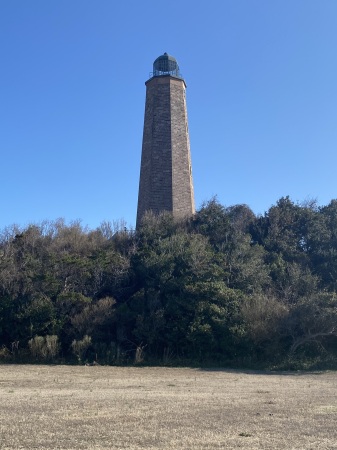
x=5, y=354
x=44, y=347
x=80, y=348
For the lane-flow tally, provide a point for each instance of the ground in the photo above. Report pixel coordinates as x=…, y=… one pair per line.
x=64, y=407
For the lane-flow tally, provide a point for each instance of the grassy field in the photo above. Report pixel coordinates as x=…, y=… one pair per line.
x=63, y=407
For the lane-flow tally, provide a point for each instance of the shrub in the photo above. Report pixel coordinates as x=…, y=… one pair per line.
x=81, y=347
x=44, y=347
x=5, y=354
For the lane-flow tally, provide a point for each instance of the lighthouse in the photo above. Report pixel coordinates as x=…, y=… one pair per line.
x=165, y=182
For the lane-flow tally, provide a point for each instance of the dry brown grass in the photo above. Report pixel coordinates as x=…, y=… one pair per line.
x=62, y=407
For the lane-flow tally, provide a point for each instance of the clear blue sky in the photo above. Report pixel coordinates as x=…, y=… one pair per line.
x=261, y=95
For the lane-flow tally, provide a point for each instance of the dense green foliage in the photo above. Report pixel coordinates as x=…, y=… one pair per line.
x=222, y=287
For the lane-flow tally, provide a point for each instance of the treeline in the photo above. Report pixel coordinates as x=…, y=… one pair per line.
x=224, y=287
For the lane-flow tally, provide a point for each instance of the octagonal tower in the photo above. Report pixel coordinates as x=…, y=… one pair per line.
x=166, y=174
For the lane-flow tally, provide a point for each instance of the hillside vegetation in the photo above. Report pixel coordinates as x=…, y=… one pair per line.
x=224, y=287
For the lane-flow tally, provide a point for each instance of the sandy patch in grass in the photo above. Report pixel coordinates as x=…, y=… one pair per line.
x=63, y=407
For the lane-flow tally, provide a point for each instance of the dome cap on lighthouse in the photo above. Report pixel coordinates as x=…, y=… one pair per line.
x=166, y=65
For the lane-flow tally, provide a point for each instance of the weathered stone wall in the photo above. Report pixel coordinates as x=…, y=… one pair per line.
x=165, y=176
x=182, y=184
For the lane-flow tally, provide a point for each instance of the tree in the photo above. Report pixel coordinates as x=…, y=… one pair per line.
x=96, y=320
x=213, y=222
x=312, y=320
x=263, y=316
x=183, y=301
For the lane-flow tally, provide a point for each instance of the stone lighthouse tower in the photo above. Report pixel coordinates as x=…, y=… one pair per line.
x=165, y=175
